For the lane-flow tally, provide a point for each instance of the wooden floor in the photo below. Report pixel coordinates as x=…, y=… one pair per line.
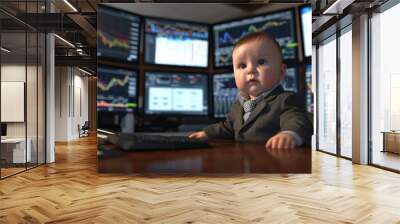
x=387, y=159
x=10, y=171
x=71, y=191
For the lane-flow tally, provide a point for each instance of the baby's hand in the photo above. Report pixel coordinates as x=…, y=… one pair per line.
x=281, y=141
x=201, y=135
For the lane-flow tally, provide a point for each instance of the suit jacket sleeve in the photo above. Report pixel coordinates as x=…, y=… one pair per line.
x=294, y=118
x=222, y=129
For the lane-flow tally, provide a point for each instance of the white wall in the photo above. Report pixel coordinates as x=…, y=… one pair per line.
x=71, y=102
x=14, y=73
x=61, y=103
x=80, y=112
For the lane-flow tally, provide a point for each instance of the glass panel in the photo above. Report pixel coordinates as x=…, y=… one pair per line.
x=31, y=98
x=13, y=85
x=385, y=85
x=41, y=99
x=327, y=96
x=31, y=86
x=41, y=89
x=346, y=93
x=22, y=76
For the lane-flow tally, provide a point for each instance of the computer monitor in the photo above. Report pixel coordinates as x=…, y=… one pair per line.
x=224, y=93
x=117, y=34
x=306, y=23
x=290, y=83
x=281, y=25
x=309, y=93
x=176, y=93
x=169, y=42
x=3, y=129
x=116, y=89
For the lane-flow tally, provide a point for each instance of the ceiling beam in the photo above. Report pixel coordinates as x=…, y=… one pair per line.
x=83, y=61
x=86, y=26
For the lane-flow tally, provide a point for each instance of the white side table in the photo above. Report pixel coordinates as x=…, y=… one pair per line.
x=19, y=149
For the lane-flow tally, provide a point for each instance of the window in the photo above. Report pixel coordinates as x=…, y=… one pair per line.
x=327, y=95
x=385, y=88
x=346, y=92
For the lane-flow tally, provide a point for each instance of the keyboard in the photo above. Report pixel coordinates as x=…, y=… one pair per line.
x=154, y=142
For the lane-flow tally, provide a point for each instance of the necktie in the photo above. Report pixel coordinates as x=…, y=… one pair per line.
x=248, y=107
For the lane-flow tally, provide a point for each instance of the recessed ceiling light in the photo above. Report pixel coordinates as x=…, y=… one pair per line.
x=84, y=71
x=70, y=5
x=5, y=50
x=64, y=40
x=337, y=7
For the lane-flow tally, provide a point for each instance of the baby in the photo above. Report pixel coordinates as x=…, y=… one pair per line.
x=264, y=112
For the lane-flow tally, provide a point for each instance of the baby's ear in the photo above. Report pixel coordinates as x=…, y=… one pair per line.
x=282, y=72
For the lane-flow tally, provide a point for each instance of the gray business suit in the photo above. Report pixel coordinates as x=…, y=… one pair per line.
x=278, y=111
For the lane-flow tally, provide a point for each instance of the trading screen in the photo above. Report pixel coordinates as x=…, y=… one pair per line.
x=280, y=25
x=117, y=34
x=290, y=81
x=176, y=93
x=224, y=93
x=176, y=43
x=309, y=93
x=116, y=89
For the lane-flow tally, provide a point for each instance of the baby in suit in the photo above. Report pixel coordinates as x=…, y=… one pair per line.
x=264, y=112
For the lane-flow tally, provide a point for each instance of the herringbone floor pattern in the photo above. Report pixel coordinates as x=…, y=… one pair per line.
x=71, y=191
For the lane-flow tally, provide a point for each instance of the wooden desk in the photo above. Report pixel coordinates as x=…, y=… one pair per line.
x=224, y=158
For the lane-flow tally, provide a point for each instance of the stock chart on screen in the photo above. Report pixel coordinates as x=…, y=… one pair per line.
x=224, y=93
x=280, y=25
x=117, y=34
x=116, y=89
x=309, y=89
x=290, y=81
x=170, y=42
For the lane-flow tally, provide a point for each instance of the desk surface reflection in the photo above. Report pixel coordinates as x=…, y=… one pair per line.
x=225, y=157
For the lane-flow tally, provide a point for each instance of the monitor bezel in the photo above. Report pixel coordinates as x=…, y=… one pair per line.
x=180, y=21
x=136, y=109
x=302, y=30
x=174, y=114
x=139, y=39
x=286, y=61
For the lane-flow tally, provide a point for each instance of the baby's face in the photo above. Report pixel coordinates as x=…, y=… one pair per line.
x=257, y=67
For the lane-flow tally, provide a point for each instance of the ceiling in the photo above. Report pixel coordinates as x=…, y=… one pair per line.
x=79, y=27
x=201, y=12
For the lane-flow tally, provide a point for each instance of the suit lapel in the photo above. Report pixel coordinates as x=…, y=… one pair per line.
x=238, y=113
